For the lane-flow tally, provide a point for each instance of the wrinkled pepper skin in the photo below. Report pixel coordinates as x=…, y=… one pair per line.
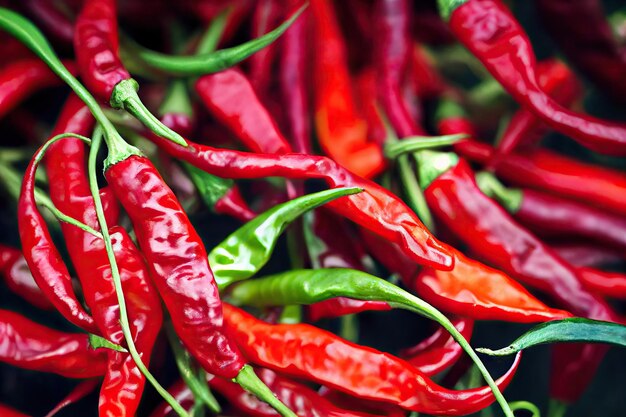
x=375, y=209
x=489, y=30
x=29, y=345
x=18, y=278
x=440, y=350
x=491, y=233
x=96, y=46
x=307, y=352
x=178, y=265
x=474, y=290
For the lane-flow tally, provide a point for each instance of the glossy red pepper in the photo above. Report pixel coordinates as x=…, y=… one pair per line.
x=342, y=132
x=96, y=46
x=18, y=278
x=20, y=79
x=587, y=254
x=440, y=350
x=230, y=98
x=29, y=345
x=482, y=293
x=350, y=368
x=585, y=36
x=493, y=35
x=10, y=412
x=375, y=209
x=391, y=256
x=491, y=233
x=610, y=284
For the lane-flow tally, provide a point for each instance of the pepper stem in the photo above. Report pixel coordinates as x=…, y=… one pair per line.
x=446, y=7
x=125, y=97
x=556, y=408
x=509, y=198
x=415, y=196
x=431, y=165
x=249, y=381
x=117, y=281
x=418, y=143
x=526, y=405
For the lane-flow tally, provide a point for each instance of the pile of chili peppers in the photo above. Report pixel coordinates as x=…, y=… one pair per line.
x=224, y=240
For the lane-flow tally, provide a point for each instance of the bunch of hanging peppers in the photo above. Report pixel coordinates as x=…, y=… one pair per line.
x=312, y=208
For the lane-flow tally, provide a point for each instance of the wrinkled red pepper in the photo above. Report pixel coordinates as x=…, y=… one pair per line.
x=18, y=278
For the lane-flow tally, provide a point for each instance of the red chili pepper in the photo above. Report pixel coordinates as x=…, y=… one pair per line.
x=491, y=233
x=584, y=35
x=427, y=81
x=375, y=209
x=78, y=393
x=265, y=17
x=52, y=20
x=489, y=30
x=349, y=402
x=479, y=292
x=29, y=345
x=20, y=79
x=585, y=254
x=350, y=368
x=207, y=11
x=391, y=256
x=293, y=77
x=96, y=46
x=610, y=284
x=367, y=100
x=341, y=131
x=19, y=279
x=231, y=99
x=393, y=50
x=440, y=350
x=10, y=412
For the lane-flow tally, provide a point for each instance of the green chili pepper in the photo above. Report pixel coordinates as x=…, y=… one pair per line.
x=245, y=251
x=214, y=61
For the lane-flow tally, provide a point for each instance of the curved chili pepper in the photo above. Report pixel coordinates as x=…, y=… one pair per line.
x=491, y=233
x=233, y=204
x=391, y=256
x=19, y=279
x=583, y=33
x=482, y=293
x=440, y=350
x=292, y=77
x=375, y=209
x=341, y=130
x=20, y=79
x=585, y=254
x=229, y=96
x=553, y=216
x=52, y=19
x=10, y=412
x=44, y=260
x=489, y=30
x=349, y=402
x=372, y=374
x=78, y=393
x=29, y=345
x=610, y=284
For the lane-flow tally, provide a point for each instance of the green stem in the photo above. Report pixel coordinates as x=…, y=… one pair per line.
x=349, y=327
x=509, y=198
x=393, y=149
x=44, y=201
x=196, y=383
x=526, y=405
x=249, y=381
x=10, y=155
x=117, y=281
x=556, y=408
x=414, y=193
x=209, y=41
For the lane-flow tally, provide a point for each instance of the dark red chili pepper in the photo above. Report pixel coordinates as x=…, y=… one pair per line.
x=341, y=131
x=78, y=393
x=583, y=33
x=586, y=254
x=20, y=79
x=19, y=279
x=489, y=30
x=233, y=204
x=428, y=27
x=265, y=17
x=427, y=81
x=375, y=209
x=440, y=350
x=53, y=21
x=393, y=51
x=491, y=233
x=349, y=402
x=548, y=215
x=232, y=100
x=29, y=345
x=208, y=10
x=366, y=97
x=10, y=412
x=293, y=79
x=482, y=293
x=372, y=374
x=96, y=46
x=391, y=256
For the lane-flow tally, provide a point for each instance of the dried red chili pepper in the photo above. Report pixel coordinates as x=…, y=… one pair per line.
x=229, y=96
x=482, y=293
x=373, y=375
x=489, y=30
x=375, y=209
x=19, y=279
x=20, y=79
x=491, y=233
x=440, y=350
x=341, y=131
x=583, y=33
x=29, y=345
x=548, y=215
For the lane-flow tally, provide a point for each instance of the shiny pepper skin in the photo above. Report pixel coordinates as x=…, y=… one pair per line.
x=96, y=45
x=307, y=352
x=178, y=264
x=29, y=345
x=18, y=278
